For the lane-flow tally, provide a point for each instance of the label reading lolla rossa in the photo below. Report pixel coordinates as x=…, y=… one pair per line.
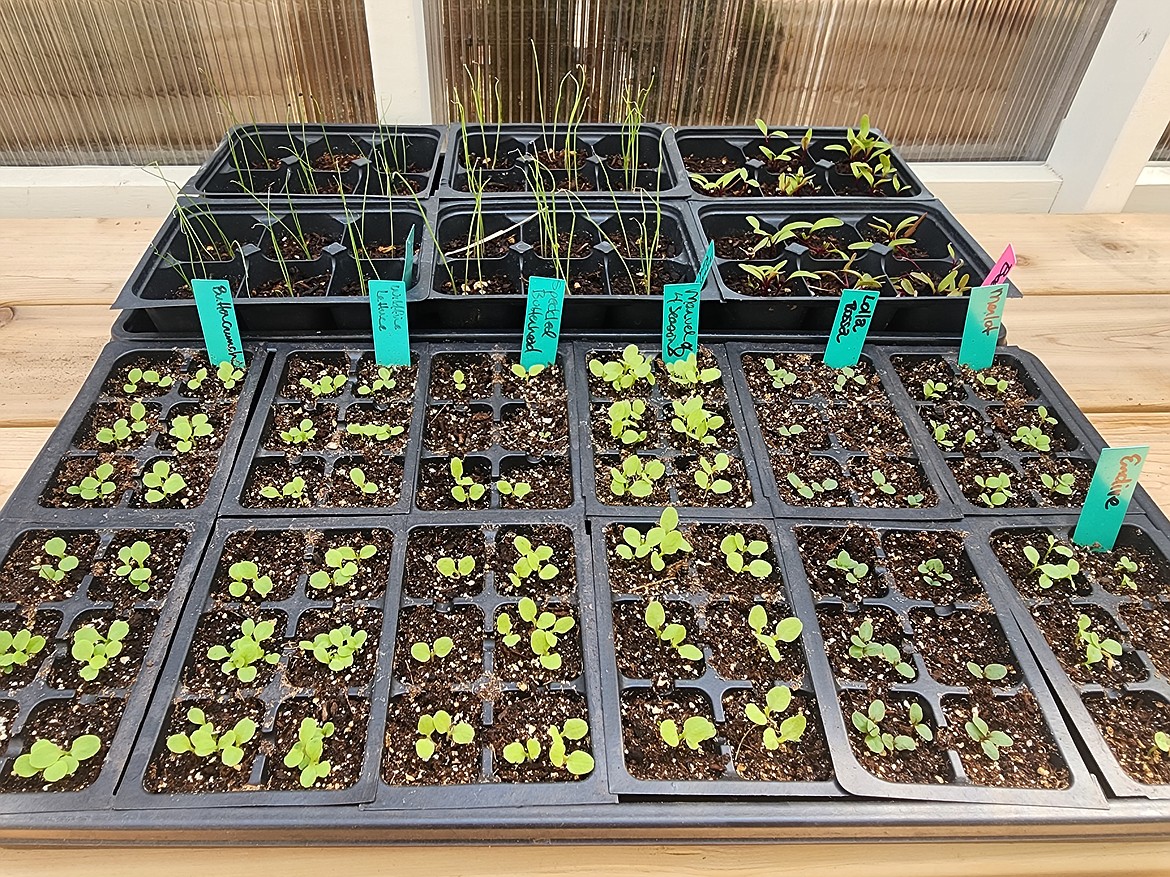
x=1000, y=270
x=217, y=318
x=388, y=317
x=1114, y=481
x=981, y=330
x=542, y=321
x=680, y=321
x=850, y=326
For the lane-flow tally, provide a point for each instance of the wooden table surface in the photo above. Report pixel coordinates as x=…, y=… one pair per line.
x=1096, y=311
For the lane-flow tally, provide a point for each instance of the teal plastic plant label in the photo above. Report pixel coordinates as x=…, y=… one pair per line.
x=542, y=321
x=408, y=267
x=981, y=330
x=680, y=321
x=1112, y=487
x=705, y=265
x=388, y=317
x=217, y=318
x=850, y=326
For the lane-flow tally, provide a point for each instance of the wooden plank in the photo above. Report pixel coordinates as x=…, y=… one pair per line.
x=45, y=354
x=18, y=447
x=1120, y=430
x=69, y=261
x=1080, y=254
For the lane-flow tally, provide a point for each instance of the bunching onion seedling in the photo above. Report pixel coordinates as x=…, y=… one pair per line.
x=63, y=562
x=673, y=634
x=54, y=763
x=246, y=651
x=883, y=742
x=991, y=742
x=862, y=646
x=578, y=762
x=1048, y=568
x=777, y=731
x=336, y=648
x=694, y=732
x=659, y=542
x=205, y=741
x=341, y=566
x=1096, y=649
x=547, y=628
x=623, y=373
x=94, y=651
x=123, y=429
x=306, y=754
x=442, y=724
x=17, y=649
x=786, y=630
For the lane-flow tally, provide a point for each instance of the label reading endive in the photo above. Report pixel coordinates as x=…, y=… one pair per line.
x=217, y=318
x=680, y=321
x=388, y=317
x=542, y=321
x=850, y=326
x=1114, y=481
x=981, y=330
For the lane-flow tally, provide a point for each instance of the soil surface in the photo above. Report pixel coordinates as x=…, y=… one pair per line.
x=647, y=755
x=452, y=764
x=1128, y=724
x=63, y=721
x=519, y=718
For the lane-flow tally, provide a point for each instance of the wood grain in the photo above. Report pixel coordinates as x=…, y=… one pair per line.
x=18, y=448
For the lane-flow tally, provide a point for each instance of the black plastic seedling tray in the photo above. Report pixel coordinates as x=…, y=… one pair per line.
x=1115, y=612
x=298, y=604
x=740, y=147
x=72, y=452
x=489, y=293
x=514, y=150
x=493, y=784
x=330, y=292
x=96, y=592
x=800, y=308
x=705, y=603
x=592, y=398
x=891, y=598
x=1076, y=442
x=839, y=453
x=270, y=160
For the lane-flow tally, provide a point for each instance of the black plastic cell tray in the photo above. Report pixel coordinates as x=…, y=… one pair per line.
x=1083, y=441
x=24, y=503
x=168, y=606
x=492, y=792
x=174, y=694
x=517, y=221
x=171, y=261
x=741, y=148
x=382, y=146
x=918, y=453
x=710, y=683
x=802, y=311
x=516, y=146
x=1083, y=790
x=659, y=406
x=1138, y=531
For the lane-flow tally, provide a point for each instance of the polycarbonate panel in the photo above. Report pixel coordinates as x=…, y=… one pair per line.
x=142, y=81
x=951, y=80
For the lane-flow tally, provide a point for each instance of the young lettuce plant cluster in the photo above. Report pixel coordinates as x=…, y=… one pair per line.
x=64, y=562
x=578, y=762
x=737, y=549
x=246, y=651
x=623, y=373
x=306, y=754
x=991, y=742
x=245, y=575
x=466, y=490
x=94, y=651
x=444, y=726
x=336, y=649
x=132, y=564
x=54, y=762
x=636, y=476
x=786, y=630
x=547, y=628
x=862, y=646
x=205, y=741
x=882, y=742
x=695, y=730
x=1096, y=649
x=777, y=731
x=661, y=541
x=17, y=649
x=673, y=634
x=533, y=561
x=341, y=566
x=96, y=485
x=122, y=429
x=1047, y=566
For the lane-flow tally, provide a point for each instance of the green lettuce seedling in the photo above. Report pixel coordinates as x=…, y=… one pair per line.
x=137, y=376
x=811, y=488
x=246, y=651
x=990, y=741
x=96, y=485
x=934, y=573
x=326, y=385
x=300, y=434
x=526, y=374
x=996, y=489
x=624, y=419
x=780, y=376
x=336, y=648
x=379, y=432
x=660, y=541
x=245, y=574
x=65, y=563
x=94, y=651
x=342, y=566
x=449, y=568
x=695, y=731
x=515, y=489
x=123, y=429
x=441, y=723
x=934, y=389
x=162, y=482
x=1032, y=437
x=228, y=375
x=534, y=561
x=786, y=630
x=1096, y=649
x=459, y=380
x=883, y=742
x=674, y=634
x=306, y=753
x=989, y=673
x=384, y=381
x=636, y=476
x=133, y=566
x=706, y=475
x=578, y=762
x=547, y=628
x=854, y=570
x=17, y=649
x=196, y=382
x=205, y=741
x=52, y=762
x=789, y=730
x=623, y=373
x=694, y=421
x=1162, y=742
x=736, y=549
x=467, y=489
x=294, y=489
x=846, y=376
x=1062, y=484
x=1125, y=566
x=440, y=648
x=686, y=372
x=185, y=430
x=358, y=477
x=862, y=646
x=1049, y=572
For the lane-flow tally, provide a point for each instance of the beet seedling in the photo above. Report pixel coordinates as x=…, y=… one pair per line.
x=17, y=649
x=623, y=373
x=96, y=485
x=384, y=381
x=854, y=570
x=94, y=651
x=54, y=763
x=246, y=651
x=736, y=550
x=450, y=568
x=1096, y=649
x=786, y=630
x=686, y=372
x=65, y=562
x=123, y=429
x=694, y=732
x=306, y=753
x=862, y=646
x=547, y=628
x=294, y=489
x=326, y=385
x=988, y=673
x=934, y=573
x=659, y=542
x=864, y=144
x=162, y=482
x=725, y=184
x=343, y=561
x=636, y=476
x=205, y=741
x=770, y=279
x=245, y=574
x=896, y=237
x=792, y=184
x=707, y=474
x=883, y=742
x=149, y=377
x=789, y=730
x=442, y=724
x=996, y=489
x=533, y=561
x=991, y=742
x=674, y=634
x=466, y=490
x=1050, y=573
x=809, y=489
x=301, y=433
x=439, y=649
x=336, y=648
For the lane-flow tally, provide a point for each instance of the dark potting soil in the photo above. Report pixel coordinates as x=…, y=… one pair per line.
x=295, y=247
x=122, y=670
x=43, y=623
x=948, y=642
x=555, y=536
x=637, y=282
x=463, y=665
x=838, y=628
x=20, y=580
x=916, y=370
x=641, y=654
x=752, y=761
x=712, y=164
x=492, y=247
x=536, y=428
x=166, y=550
x=63, y=721
x=907, y=550
x=519, y=718
x=572, y=245
x=335, y=161
x=427, y=545
x=305, y=671
x=926, y=764
x=647, y=755
x=1149, y=628
x=452, y=763
x=459, y=429
x=632, y=244
x=297, y=286
x=176, y=773
x=345, y=749
x=819, y=545
x=1128, y=723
